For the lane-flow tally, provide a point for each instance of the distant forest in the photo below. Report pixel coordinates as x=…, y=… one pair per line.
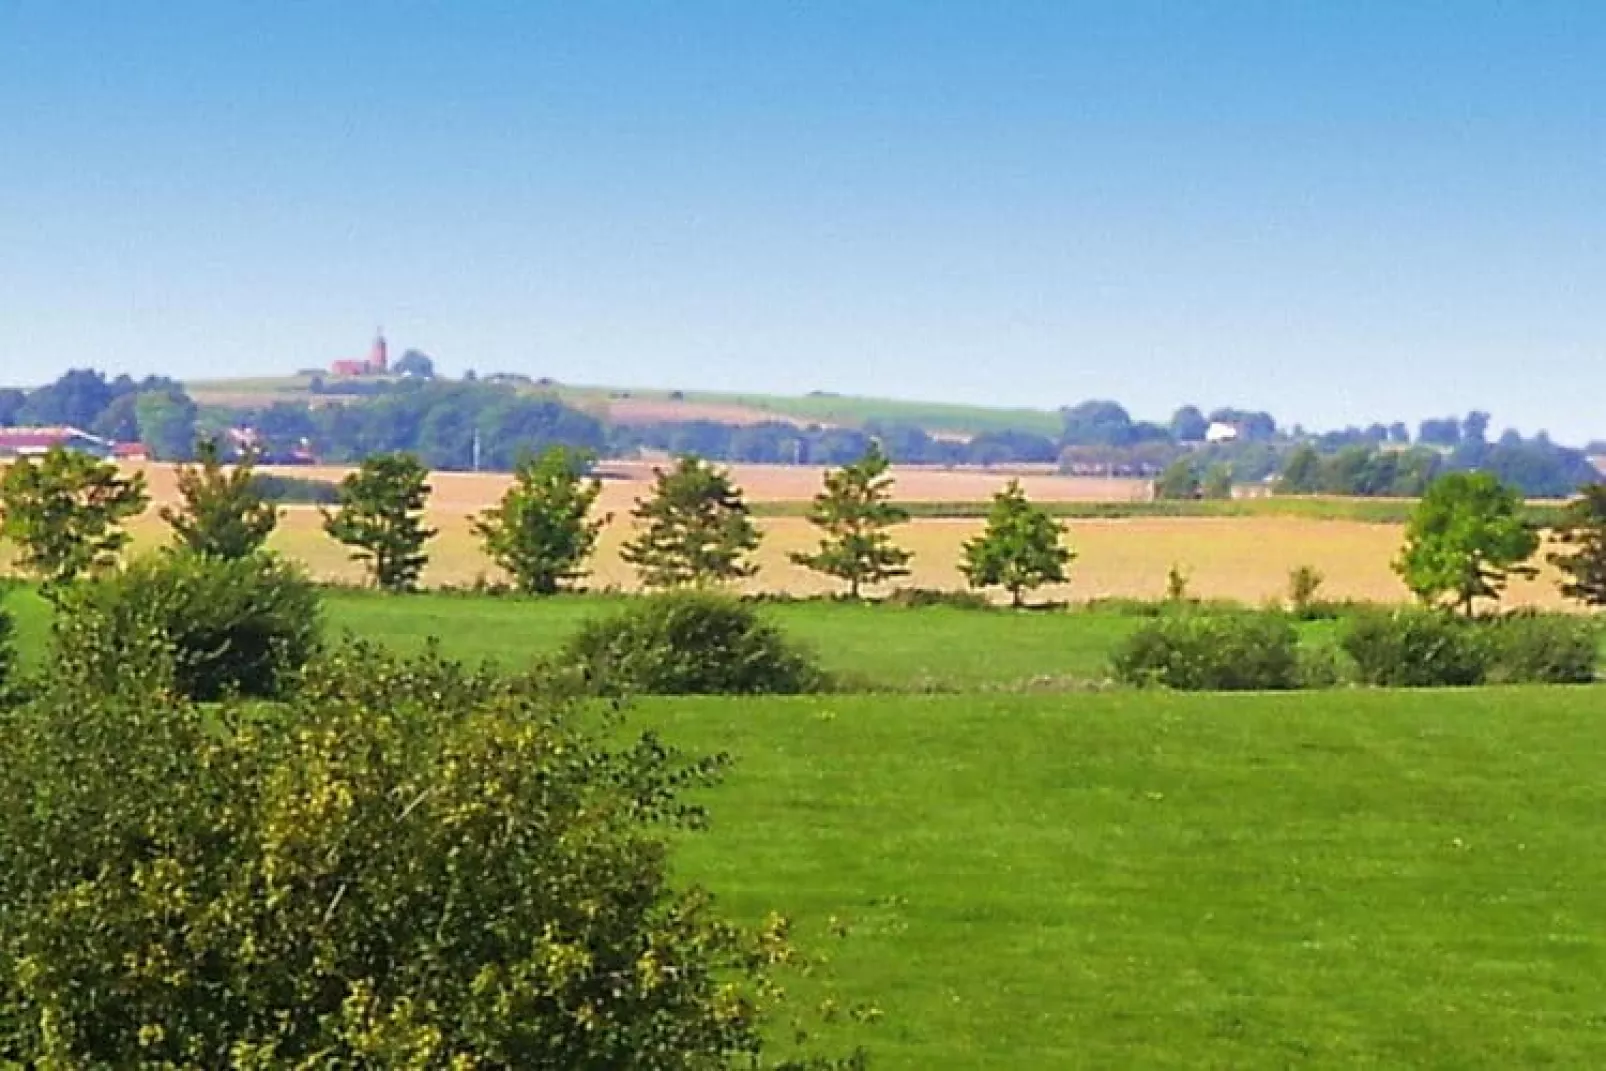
x=442, y=421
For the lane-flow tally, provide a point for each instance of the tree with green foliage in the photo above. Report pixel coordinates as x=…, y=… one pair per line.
x=1021, y=548
x=1302, y=472
x=694, y=528
x=1180, y=480
x=380, y=516
x=410, y=865
x=223, y=512
x=539, y=532
x=1465, y=539
x=1217, y=482
x=166, y=420
x=1582, y=531
x=64, y=511
x=854, y=512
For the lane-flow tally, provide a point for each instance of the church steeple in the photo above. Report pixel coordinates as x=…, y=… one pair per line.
x=379, y=358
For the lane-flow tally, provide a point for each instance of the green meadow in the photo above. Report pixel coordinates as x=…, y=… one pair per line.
x=1027, y=872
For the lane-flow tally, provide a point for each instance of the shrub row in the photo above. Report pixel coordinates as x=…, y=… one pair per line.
x=247, y=627
x=1426, y=648
x=1405, y=648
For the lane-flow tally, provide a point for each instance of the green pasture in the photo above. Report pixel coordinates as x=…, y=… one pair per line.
x=1031, y=874
x=1337, y=880
x=875, y=647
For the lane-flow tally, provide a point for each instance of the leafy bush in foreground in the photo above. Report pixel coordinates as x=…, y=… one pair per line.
x=1414, y=648
x=8, y=650
x=406, y=866
x=243, y=625
x=1211, y=652
x=690, y=643
x=1533, y=648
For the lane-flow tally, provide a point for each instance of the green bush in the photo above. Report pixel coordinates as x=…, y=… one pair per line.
x=243, y=626
x=1414, y=648
x=1534, y=648
x=406, y=866
x=8, y=651
x=690, y=643
x=1211, y=652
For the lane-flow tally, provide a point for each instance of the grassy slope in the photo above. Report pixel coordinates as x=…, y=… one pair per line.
x=848, y=409
x=1140, y=880
x=831, y=409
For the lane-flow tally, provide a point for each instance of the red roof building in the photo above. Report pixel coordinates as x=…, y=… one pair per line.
x=377, y=363
x=31, y=442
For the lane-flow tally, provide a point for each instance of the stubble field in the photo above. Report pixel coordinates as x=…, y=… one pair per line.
x=1244, y=558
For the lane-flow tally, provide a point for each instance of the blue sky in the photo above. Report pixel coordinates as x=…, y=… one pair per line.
x=1339, y=212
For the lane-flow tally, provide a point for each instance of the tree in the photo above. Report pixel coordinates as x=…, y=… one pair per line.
x=409, y=865
x=1217, y=482
x=538, y=532
x=224, y=514
x=1302, y=473
x=381, y=516
x=1179, y=480
x=1021, y=548
x=694, y=529
x=1188, y=425
x=1582, y=530
x=854, y=512
x=415, y=363
x=1466, y=537
x=166, y=422
x=64, y=510
x=1096, y=423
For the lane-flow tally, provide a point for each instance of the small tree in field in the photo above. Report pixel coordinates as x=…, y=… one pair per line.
x=854, y=512
x=693, y=529
x=1179, y=480
x=64, y=511
x=1020, y=550
x=1582, y=531
x=539, y=532
x=224, y=514
x=1465, y=539
x=380, y=516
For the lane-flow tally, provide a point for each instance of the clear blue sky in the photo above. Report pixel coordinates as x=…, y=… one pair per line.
x=1339, y=212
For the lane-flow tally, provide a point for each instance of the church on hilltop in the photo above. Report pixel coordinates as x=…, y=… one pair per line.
x=377, y=362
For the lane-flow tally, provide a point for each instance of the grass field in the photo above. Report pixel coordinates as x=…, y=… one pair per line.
x=883, y=647
x=1128, y=879
x=1328, y=880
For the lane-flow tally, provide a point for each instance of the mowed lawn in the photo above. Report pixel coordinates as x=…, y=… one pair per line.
x=877, y=647
x=1345, y=879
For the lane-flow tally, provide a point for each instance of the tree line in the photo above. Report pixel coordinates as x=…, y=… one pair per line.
x=65, y=512
x=490, y=423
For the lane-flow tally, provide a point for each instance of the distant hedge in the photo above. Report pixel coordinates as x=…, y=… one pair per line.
x=300, y=490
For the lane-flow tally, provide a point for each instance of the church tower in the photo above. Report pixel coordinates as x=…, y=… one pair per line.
x=379, y=358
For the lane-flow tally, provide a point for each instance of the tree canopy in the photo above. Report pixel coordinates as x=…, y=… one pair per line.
x=693, y=528
x=1466, y=537
x=853, y=514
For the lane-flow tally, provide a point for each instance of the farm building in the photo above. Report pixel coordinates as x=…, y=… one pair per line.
x=31, y=442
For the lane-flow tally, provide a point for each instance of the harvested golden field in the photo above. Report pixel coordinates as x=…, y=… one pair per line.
x=625, y=481
x=1246, y=558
